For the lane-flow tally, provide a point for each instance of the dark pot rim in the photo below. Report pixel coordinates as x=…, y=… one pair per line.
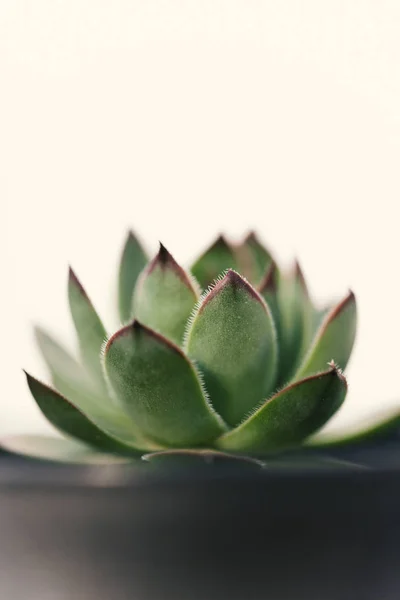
x=28, y=474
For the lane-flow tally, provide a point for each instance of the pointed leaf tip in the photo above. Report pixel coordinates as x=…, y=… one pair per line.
x=296, y=321
x=255, y=257
x=235, y=278
x=164, y=260
x=219, y=257
x=289, y=416
x=165, y=296
x=299, y=275
x=90, y=330
x=235, y=281
x=269, y=283
x=163, y=255
x=338, y=371
x=334, y=338
x=239, y=282
x=71, y=420
x=349, y=299
x=251, y=236
x=73, y=280
x=131, y=237
x=221, y=240
x=132, y=262
x=138, y=328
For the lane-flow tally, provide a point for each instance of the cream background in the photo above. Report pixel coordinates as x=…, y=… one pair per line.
x=182, y=119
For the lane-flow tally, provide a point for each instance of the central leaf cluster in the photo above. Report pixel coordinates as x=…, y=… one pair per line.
x=240, y=367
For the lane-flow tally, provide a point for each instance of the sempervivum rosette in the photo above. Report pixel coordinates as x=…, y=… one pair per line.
x=246, y=368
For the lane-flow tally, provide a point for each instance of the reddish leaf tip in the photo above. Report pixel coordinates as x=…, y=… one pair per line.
x=251, y=237
x=269, y=283
x=299, y=275
x=338, y=371
x=164, y=260
x=71, y=273
x=332, y=371
x=131, y=237
x=349, y=299
x=136, y=325
x=164, y=256
x=137, y=328
x=351, y=295
x=73, y=279
x=239, y=282
x=236, y=281
x=221, y=242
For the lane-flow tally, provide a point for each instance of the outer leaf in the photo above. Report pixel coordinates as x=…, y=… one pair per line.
x=268, y=289
x=310, y=315
x=334, y=339
x=70, y=420
x=165, y=296
x=385, y=425
x=133, y=261
x=296, y=315
x=232, y=339
x=189, y=457
x=296, y=319
x=70, y=379
x=89, y=328
x=67, y=374
x=160, y=388
x=217, y=259
x=57, y=449
x=260, y=258
x=289, y=416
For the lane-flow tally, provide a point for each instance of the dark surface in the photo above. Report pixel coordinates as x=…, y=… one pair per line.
x=208, y=533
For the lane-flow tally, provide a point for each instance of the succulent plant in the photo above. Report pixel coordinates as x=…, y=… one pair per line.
x=231, y=358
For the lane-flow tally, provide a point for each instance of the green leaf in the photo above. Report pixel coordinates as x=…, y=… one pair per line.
x=260, y=258
x=334, y=339
x=69, y=419
x=165, y=296
x=157, y=384
x=268, y=289
x=217, y=259
x=290, y=416
x=67, y=374
x=71, y=380
x=379, y=427
x=133, y=261
x=89, y=328
x=296, y=317
x=232, y=339
x=57, y=449
x=197, y=457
